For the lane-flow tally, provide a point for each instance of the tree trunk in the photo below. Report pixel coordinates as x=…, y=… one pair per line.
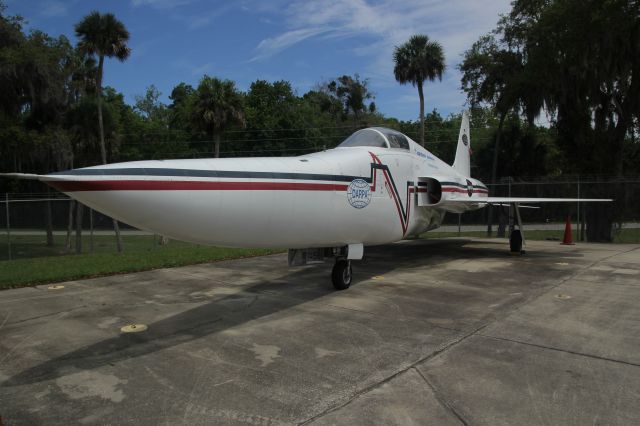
x=103, y=149
x=421, y=95
x=502, y=222
x=116, y=228
x=69, y=226
x=216, y=148
x=90, y=230
x=599, y=218
x=49, y=220
x=79, y=211
x=494, y=171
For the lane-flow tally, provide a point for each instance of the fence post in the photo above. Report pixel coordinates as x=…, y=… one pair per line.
x=511, y=225
x=578, y=214
x=6, y=195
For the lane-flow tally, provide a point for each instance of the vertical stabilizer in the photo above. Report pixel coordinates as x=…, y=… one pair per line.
x=462, y=163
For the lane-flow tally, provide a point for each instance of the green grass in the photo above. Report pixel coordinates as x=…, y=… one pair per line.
x=37, y=264
x=27, y=246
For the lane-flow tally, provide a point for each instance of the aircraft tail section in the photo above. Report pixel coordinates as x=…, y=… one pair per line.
x=462, y=163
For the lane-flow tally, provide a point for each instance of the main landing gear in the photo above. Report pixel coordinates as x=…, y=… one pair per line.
x=341, y=274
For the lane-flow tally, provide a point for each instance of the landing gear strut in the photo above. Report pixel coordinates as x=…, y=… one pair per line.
x=516, y=237
x=341, y=274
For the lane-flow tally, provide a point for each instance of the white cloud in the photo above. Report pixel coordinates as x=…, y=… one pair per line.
x=382, y=25
x=270, y=46
x=455, y=23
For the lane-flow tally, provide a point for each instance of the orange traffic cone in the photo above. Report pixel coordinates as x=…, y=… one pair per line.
x=568, y=235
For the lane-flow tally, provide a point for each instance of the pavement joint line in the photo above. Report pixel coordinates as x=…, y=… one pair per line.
x=442, y=400
x=352, y=309
x=369, y=388
x=16, y=346
x=59, y=314
x=441, y=327
x=464, y=337
x=6, y=318
x=551, y=348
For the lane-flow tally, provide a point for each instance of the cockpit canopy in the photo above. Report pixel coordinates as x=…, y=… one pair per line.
x=380, y=137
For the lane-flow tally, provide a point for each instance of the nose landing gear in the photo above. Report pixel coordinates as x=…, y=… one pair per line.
x=341, y=275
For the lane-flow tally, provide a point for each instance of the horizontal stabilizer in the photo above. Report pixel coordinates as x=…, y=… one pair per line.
x=520, y=205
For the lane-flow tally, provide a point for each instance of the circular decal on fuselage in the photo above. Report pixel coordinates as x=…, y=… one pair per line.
x=359, y=193
x=469, y=188
x=465, y=140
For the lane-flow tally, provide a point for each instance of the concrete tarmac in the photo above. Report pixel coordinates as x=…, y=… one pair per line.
x=452, y=331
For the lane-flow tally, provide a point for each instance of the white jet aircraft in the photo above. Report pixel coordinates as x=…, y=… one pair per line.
x=376, y=187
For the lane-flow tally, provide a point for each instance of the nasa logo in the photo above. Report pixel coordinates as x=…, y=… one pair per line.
x=469, y=188
x=465, y=140
x=359, y=193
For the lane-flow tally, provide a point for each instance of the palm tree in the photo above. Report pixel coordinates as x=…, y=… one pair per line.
x=218, y=104
x=103, y=35
x=417, y=60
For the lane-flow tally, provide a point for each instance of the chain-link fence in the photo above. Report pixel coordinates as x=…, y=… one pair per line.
x=37, y=225
x=51, y=224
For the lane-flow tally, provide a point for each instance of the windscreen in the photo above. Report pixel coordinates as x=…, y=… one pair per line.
x=365, y=137
x=396, y=139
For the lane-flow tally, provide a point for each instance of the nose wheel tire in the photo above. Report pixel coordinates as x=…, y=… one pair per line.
x=341, y=275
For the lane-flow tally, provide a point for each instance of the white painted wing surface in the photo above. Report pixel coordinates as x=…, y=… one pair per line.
x=507, y=200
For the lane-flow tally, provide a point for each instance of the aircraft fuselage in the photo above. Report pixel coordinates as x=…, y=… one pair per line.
x=352, y=195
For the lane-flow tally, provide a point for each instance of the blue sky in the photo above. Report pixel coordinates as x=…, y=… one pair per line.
x=302, y=41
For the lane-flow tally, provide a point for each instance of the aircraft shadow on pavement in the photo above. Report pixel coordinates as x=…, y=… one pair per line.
x=295, y=288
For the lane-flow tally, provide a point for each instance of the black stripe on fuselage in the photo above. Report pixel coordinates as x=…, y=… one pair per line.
x=166, y=172
x=207, y=174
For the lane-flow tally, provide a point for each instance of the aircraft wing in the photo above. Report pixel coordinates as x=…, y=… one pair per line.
x=509, y=200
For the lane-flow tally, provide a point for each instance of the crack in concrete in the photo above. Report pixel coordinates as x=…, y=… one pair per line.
x=441, y=399
x=568, y=351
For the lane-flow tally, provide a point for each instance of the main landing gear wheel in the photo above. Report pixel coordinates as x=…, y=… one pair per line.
x=341, y=274
x=515, y=242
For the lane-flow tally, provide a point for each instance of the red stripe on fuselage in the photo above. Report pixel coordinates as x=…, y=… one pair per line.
x=161, y=185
